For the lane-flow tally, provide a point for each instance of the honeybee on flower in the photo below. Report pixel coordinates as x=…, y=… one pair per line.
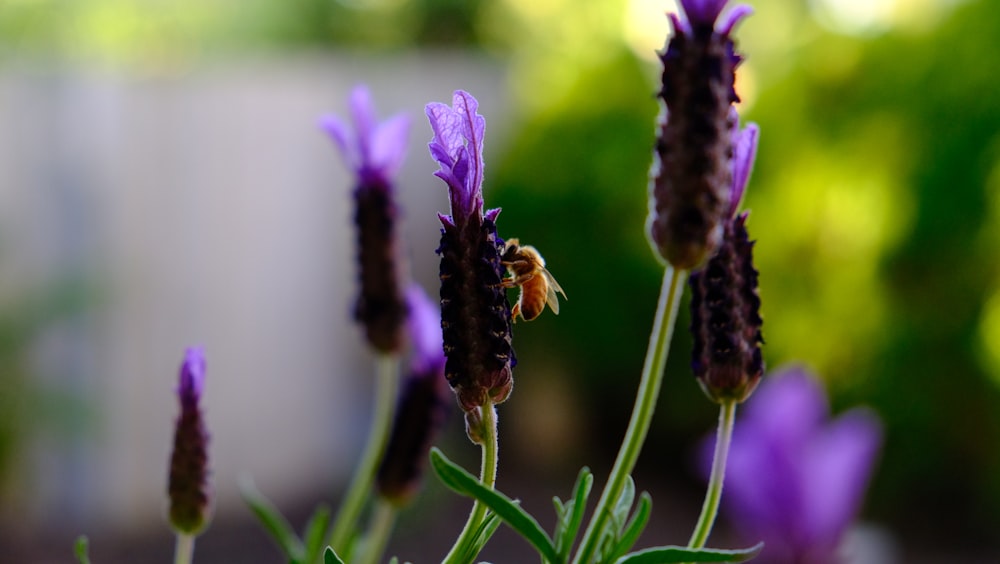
x=538, y=286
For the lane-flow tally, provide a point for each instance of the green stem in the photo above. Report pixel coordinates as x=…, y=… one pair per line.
x=383, y=519
x=387, y=385
x=184, y=549
x=488, y=476
x=727, y=416
x=642, y=412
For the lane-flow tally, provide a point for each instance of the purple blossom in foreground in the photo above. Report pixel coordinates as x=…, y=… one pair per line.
x=375, y=151
x=691, y=175
x=188, y=481
x=796, y=479
x=725, y=305
x=475, y=315
x=423, y=404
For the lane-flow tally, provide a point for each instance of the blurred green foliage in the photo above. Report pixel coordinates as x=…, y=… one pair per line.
x=874, y=200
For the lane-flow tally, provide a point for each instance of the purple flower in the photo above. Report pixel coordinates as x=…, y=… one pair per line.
x=475, y=315
x=422, y=408
x=375, y=152
x=725, y=305
x=188, y=481
x=692, y=171
x=796, y=479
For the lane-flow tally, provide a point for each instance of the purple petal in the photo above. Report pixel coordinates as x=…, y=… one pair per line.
x=363, y=115
x=787, y=407
x=424, y=324
x=703, y=12
x=457, y=146
x=369, y=148
x=340, y=133
x=388, y=144
x=725, y=25
x=744, y=155
x=192, y=377
x=837, y=466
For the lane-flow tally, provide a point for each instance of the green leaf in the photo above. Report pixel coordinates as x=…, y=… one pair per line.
x=669, y=554
x=623, y=506
x=315, y=533
x=330, y=557
x=273, y=522
x=466, y=484
x=81, y=549
x=630, y=534
x=489, y=526
x=570, y=524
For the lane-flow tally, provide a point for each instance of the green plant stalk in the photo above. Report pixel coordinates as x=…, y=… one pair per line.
x=387, y=387
x=488, y=476
x=727, y=417
x=379, y=530
x=184, y=549
x=642, y=412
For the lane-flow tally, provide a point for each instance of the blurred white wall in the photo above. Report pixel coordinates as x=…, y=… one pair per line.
x=202, y=207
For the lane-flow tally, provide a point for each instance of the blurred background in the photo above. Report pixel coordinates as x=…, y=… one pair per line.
x=163, y=183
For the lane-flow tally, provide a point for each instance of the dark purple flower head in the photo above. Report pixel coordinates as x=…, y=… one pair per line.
x=725, y=305
x=423, y=405
x=187, y=485
x=375, y=152
x=796, y=479
x=475, y=315
x=692, y=171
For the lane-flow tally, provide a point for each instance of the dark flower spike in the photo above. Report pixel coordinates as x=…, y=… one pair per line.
x=375, y=152
x=692, y=173
x=423, y=404
x=475, y=315
x=187, y=485
x=725, y=305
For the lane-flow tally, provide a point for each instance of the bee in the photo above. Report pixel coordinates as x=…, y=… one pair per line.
x=527, y=270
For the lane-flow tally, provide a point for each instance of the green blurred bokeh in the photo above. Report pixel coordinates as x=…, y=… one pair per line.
x=874, y=199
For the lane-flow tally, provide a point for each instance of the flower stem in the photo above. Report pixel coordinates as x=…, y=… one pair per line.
x=387, y=385
x=383, y=519
x=184, y=549
x=488, y=476
x=727, y=416
x=642, y=412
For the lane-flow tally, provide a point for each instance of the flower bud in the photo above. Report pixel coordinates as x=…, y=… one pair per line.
x=725, y=319
x=375, y=151
x=422, y=405
x=692, y=172
x=188, y=481
x=475, y=315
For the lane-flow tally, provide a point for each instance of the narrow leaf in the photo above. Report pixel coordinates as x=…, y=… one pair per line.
x=581, y=491
x=81, y=549
x=330, y=557
x=670, y=554
x=486, y=529
x=623, y=506
x=466, y=484
x=273, y=521
x=630, y=534
x=315, y=532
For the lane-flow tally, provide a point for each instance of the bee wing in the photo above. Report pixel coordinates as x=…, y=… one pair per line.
x=550, y=293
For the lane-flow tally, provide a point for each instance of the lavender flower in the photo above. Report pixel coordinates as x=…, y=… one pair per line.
x=796, y=479
x=475, y=315
x=422, y=404
x=188, y=482
x=725, y=306
x=692, y=173
x=375, y=151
